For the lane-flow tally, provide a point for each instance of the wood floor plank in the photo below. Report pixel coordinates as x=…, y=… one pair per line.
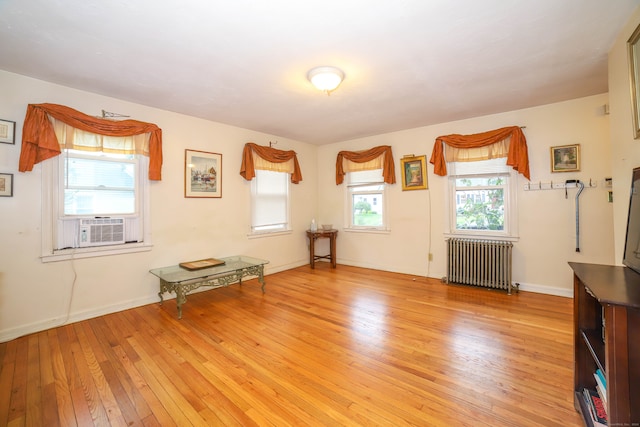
x=17, y=408
x=7, y=369
x=175, y=404
x=321, y=347
x=132, y=404
x=63, y=400
x=73, y=367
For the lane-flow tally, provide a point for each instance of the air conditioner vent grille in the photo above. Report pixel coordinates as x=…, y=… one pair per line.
x=101, y=231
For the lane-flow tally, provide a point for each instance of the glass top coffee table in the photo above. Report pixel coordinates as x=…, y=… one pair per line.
x=182, y=281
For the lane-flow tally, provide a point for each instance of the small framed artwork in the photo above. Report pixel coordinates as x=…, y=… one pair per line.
x=6, y=185
x=7, y=132
x=565, y=158
x=202, y=174
x=414, y=172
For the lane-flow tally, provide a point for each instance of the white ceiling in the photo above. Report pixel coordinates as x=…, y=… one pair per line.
x=408, y=63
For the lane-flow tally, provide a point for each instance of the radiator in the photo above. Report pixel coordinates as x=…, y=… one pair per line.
x=485, y=263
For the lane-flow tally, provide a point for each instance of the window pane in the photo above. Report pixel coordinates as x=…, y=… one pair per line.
x=101, y=186
x=365, y=191
x=490, y=181
x=480, y=209
x=367, y=209
x=83, y=173
x=98, y=202
x=270, y=199
x=481, y=199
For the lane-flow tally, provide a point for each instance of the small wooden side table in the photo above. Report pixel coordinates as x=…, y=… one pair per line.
x=313, y=235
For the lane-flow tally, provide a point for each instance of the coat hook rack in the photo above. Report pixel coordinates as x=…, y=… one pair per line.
x=550, y=185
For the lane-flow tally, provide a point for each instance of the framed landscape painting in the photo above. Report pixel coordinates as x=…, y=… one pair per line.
x=202, y=174
x=565, y=158
x=414, y=172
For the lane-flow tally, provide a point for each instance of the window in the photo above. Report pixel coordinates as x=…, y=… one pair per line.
x=366, y=200
x=270, y=202
x=94, y=202
x=99, y=184
x=482, y=199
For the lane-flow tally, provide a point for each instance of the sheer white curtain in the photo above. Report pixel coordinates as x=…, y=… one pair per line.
x=76, y=139
x=266, y=165
x=493, y=151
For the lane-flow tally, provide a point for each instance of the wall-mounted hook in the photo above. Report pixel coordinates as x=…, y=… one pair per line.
x=271, y=144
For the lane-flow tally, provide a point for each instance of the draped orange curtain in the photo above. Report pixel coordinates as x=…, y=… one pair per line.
x=518, y=157
x=388, y=168
x=248, y=170
x=39, y=141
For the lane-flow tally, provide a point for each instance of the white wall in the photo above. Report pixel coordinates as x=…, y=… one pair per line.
x=546, y=219
x=36, y=295
x=625, y=150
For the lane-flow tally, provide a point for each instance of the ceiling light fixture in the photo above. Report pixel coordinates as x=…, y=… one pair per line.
x=326, y=79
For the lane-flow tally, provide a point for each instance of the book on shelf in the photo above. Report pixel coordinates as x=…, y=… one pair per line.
x=595, y=407
x=600, y=387
x=600, y=375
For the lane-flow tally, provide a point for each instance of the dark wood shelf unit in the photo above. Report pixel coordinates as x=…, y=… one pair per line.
x=607, y=336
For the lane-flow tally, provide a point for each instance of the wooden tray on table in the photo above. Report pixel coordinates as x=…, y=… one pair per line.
x=201, y=263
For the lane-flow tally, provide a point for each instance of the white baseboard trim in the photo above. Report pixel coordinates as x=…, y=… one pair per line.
x=11, y=334
x=411, y=272
x=549, y=290
x=527, y=287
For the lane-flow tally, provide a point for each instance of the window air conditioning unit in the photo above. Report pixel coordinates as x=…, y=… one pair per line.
x=101, y=231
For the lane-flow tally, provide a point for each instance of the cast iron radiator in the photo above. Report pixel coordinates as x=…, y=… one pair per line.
x=485, y=263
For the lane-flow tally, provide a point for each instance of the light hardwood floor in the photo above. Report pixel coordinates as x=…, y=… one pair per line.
x=321, y=347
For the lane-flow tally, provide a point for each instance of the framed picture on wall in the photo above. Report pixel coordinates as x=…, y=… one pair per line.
x=6, y=185
x=414, y=172
x=202, y=174
x=7, y=132
x=565, y=158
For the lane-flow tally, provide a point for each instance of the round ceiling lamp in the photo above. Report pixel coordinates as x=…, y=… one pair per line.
x=326, y=79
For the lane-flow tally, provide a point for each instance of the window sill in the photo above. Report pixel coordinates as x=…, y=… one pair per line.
x=77, y=253
x=268, y=234
x=482, y=236
x=367, y=230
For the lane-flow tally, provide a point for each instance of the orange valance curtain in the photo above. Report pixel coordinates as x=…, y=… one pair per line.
x=518, y=158
x=39, y=140
x=248, y=170
x=388, y=168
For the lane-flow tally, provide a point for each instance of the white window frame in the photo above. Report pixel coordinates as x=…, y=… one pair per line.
x=510, y=231
x=54, y=220
x=276, y=229
x=353, y=187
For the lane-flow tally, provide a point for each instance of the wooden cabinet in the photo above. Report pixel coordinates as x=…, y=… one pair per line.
x=607, y=336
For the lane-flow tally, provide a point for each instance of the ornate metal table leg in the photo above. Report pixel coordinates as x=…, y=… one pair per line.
x=261, y=277
x=181, y=298
x=164, y=287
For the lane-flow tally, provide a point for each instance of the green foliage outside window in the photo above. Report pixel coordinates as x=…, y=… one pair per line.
x=480, y=203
